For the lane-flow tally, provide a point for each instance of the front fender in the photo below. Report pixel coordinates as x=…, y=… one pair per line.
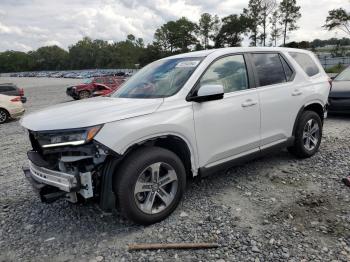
x=121, y=135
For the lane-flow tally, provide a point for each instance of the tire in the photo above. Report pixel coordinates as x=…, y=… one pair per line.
x=84, y=94
x=137, y=167
x=4, y=116
x=305, y=145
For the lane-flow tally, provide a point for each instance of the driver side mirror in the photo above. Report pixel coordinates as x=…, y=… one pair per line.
x=208, y=93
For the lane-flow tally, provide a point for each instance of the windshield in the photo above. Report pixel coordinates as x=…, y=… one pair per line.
x=344, y=76
x=162, y=78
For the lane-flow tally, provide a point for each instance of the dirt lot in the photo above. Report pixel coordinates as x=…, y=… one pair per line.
x=273, y=209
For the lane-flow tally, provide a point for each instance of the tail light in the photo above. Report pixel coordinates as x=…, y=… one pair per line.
x=21, y=92
x=16, y=99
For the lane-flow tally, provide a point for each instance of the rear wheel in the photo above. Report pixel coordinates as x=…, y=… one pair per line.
x=84, y=94
x=149, y=185
x=308, y=135
x=4, y=116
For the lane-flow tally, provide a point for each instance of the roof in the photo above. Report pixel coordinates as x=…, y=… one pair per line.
x=226, y=50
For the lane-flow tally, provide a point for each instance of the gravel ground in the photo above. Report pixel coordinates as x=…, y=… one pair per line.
x=275, y=208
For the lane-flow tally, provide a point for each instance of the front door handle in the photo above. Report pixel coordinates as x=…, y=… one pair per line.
x=297, y=93
x=249, y=102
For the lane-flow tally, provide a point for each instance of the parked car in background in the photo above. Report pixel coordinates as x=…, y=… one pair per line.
x=12, y=90
x=102, y=90
x=339, y=97
x=10, y=107
x=88, y=88
x=178, y=117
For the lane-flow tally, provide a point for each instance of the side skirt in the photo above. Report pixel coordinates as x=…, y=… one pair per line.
x=205, y=171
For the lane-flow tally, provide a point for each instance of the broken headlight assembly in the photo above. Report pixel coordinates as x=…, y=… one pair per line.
x=73, y=137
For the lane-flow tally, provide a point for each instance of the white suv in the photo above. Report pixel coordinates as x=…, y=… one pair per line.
x=181, y=116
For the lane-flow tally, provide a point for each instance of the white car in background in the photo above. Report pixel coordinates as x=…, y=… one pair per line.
x=10, y=107
x=181, y=116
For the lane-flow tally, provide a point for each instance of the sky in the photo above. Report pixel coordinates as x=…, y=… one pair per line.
x=28, y=24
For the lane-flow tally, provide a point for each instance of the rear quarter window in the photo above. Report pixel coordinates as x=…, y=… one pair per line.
x=306, y=63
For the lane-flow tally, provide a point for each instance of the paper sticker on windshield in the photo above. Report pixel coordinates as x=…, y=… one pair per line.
x=193, y=63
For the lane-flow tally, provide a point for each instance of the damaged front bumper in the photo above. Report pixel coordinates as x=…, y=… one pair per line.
x=51, y=184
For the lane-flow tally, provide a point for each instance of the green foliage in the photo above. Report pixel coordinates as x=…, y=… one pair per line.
x=335, y=69
x=289, y=15
x=338, y=18
x=253, y=16
x=208, y=27
x=231, y=32
x=175, y=36
x=276, y=31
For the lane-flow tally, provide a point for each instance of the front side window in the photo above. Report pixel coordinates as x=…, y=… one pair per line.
x=343, y=76
x=230, y=72
x=159, y=79
x=306, y=63
x=269, y=69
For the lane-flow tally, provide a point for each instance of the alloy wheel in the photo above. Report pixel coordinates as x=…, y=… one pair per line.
x=3, y=116
x=155, y=188
x=311, y=135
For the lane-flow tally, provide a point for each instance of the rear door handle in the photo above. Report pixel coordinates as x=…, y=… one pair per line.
x=297, y=93
x=249, y=102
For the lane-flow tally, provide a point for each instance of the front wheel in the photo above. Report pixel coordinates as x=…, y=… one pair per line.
x=308, y=135
x=149, y=185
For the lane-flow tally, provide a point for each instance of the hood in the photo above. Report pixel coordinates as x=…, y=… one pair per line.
x=89, y=112
x=340, y=89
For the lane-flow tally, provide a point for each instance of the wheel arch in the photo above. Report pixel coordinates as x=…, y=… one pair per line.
x=7, y=111
x=315, y=106
x=172, y=142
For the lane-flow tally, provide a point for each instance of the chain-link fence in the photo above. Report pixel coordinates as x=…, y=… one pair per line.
x=328, y=62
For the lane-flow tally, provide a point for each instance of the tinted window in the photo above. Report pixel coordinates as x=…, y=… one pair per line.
x=230, y=72
x=306, y=63
x=99, y=80
x=269, y=69
x=6, y=88
x=287, y=69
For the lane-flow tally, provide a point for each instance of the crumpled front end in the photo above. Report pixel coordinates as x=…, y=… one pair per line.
x=66, y=171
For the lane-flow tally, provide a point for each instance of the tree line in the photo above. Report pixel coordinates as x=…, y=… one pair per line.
x=264, y=22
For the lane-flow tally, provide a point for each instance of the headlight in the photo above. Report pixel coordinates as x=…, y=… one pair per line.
x=72, y=137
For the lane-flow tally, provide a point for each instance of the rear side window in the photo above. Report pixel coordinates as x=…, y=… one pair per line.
x=269, y=69
x=306, y=63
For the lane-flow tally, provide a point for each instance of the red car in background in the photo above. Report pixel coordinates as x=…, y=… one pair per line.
x=95, y=87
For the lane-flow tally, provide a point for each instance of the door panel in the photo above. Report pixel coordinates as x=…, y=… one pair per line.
x=279, y=109
x=228, y=127
x=279, y=97
x=225, y=128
